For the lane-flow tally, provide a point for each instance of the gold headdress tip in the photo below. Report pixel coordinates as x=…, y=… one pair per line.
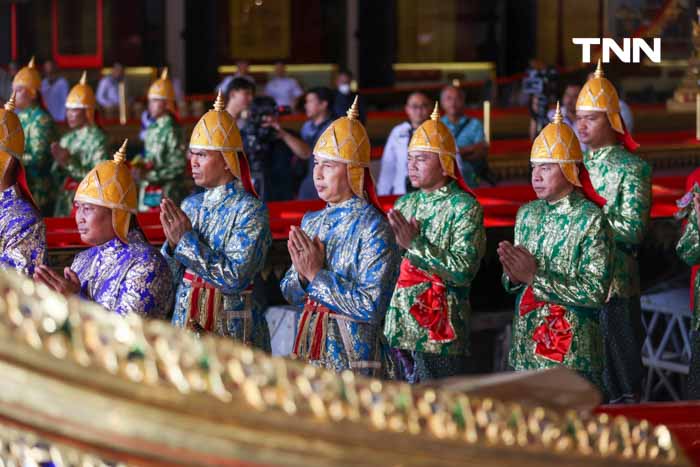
x=120, y=155
x=599, y=70
x=353, y=112
x=83, y=78
x=557, y=115
x=436, y=112
x=164, y=74
x=10, y=105
x=31, y=62
x=219, y=102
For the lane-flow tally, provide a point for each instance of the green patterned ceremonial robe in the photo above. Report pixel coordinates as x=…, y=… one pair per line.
x=39, y=132
x=688, y=250
x=556, y=319
x=448, y=253
x=624, y=181
x=87, y=147
x=165, y=163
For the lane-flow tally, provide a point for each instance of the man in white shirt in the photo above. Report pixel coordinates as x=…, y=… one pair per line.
x=107, y=94
x=54, y=90
x=394, y=168
x=283, y=89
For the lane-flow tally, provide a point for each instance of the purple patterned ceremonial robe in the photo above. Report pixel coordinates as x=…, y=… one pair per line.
x=126, y=278
x=22, y=233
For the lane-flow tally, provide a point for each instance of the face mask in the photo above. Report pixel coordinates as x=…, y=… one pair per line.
x=344, y=88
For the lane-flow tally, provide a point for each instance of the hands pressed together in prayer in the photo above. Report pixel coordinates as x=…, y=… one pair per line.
x=518, y=263
x=60, y=155
x=404, y=231
x=307, y=255
x=69, y=284
x=174, y=220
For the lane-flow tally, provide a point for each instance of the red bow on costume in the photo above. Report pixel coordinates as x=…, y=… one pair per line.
x=430, y=308
x=313, y=319
x=554, y=336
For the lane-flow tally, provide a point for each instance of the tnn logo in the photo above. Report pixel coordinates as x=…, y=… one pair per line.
x=628, y=53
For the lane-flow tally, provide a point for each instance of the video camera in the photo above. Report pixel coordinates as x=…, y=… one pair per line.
x=256, y=135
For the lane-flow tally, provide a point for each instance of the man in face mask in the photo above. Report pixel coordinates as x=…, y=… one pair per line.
x=344, y=97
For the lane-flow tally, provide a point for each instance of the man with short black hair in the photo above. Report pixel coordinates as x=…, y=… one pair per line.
x=239, y=94
x=467, y=131
x=344, y=96
x=54, y=90
x=318, y=104
x=393, y=176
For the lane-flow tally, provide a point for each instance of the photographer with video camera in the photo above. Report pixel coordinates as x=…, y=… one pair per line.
x=540, y=83
x=270, y=149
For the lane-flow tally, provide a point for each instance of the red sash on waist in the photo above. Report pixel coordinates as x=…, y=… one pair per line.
x=314, y=319
x=202, y=316
x=430, y=308
x=554, y=336
x=205, y=302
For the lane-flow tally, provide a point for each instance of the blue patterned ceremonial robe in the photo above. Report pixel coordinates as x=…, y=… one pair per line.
x=214, y=264
x=22, y=233
x=126, y=278
x=353, y=288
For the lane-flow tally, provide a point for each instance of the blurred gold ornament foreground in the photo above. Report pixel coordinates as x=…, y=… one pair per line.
x=145, y=393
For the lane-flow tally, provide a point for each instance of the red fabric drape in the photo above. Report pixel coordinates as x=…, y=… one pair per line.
x=430, y=309
x=554, y=336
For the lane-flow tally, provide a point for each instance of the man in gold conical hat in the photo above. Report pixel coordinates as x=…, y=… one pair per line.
x=22, y=230
x=218, y=240
x=162, y=168
x=441, y=229
x=39, y=132
x=121, y=271
x=623, y=182
x=79, y=150
x=344, y=258
x=559, y=264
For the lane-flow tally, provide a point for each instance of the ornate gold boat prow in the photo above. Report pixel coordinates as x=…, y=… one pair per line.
x=145, y=393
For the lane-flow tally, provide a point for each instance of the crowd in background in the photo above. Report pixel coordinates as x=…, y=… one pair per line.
x=280, y=158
